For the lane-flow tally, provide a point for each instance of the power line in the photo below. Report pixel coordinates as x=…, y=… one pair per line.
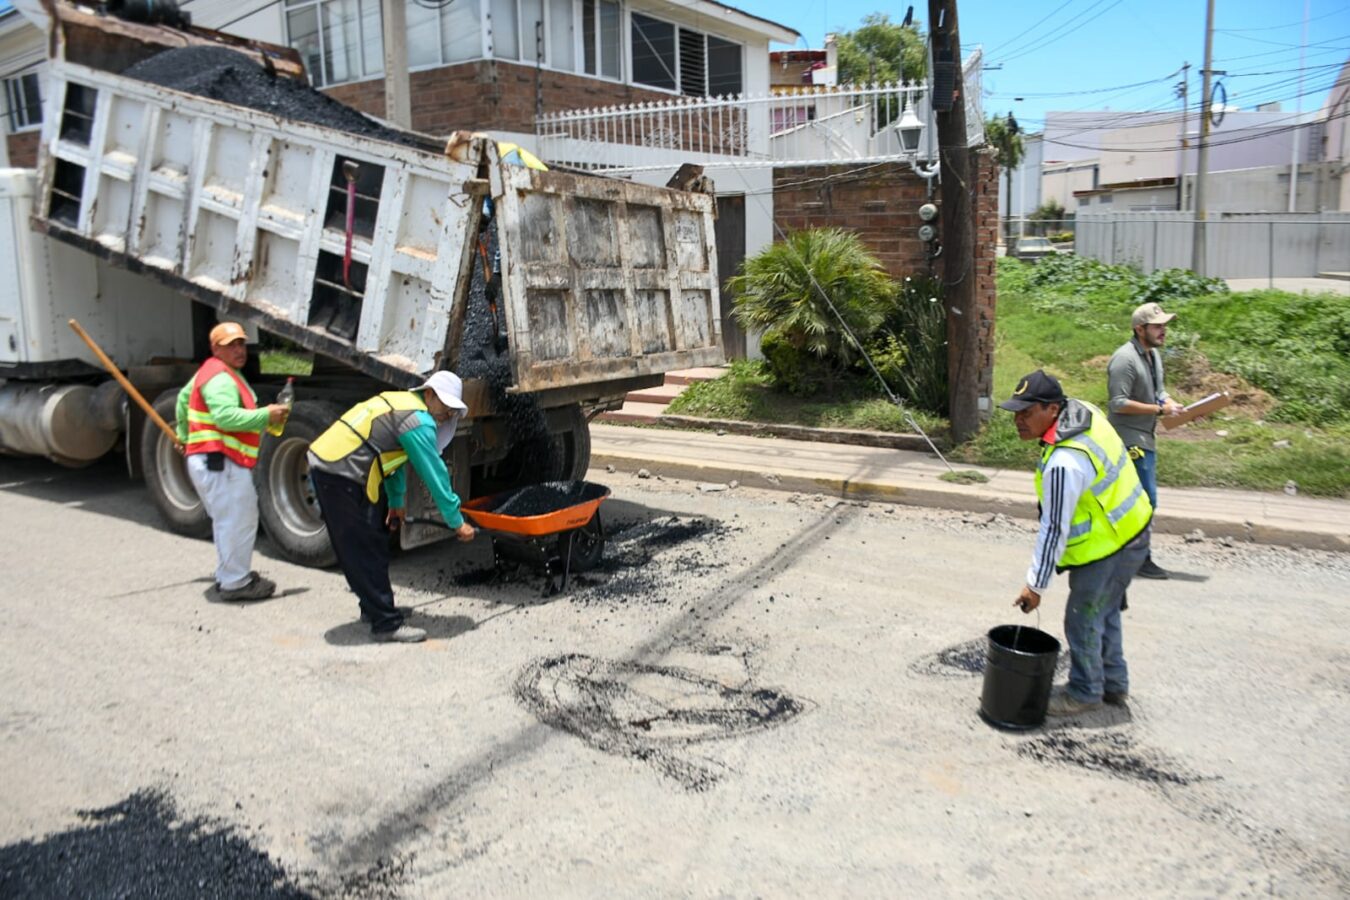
x=1035, y=25
x=1064, y=30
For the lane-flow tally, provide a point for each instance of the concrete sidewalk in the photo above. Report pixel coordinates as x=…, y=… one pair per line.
x=903, y=476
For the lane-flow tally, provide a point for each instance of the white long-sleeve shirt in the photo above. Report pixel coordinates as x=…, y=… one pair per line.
x=1067, y=474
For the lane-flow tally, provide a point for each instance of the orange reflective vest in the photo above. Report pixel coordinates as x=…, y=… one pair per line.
x=204, y=436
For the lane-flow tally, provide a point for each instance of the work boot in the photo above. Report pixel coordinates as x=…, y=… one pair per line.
x=405, y=634
x=1116, y=698
x=1150, y=569
x=257, y=588
x=1065, y=704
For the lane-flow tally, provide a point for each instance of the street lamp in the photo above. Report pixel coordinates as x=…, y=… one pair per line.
x=909, y=129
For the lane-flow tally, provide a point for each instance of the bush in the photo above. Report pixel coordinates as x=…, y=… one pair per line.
x=1176, y=284
x=1060, y=237
x=910, y=347
x=792, y=369
x=803, y=286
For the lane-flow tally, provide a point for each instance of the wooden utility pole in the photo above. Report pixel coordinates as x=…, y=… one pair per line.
x=397, y=88
x=958, y=213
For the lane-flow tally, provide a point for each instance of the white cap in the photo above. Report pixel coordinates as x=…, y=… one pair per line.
x=448, y=388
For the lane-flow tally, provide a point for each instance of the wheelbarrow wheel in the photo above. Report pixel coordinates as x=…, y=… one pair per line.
x=585, y=544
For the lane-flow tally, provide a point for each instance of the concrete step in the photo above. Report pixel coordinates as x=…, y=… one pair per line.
x=634, y=413
x=689, y=376
x=662, y=394
x=1338, y=276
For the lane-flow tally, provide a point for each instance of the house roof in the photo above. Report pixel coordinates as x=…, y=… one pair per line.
x=1137, y=185
x=775, y=31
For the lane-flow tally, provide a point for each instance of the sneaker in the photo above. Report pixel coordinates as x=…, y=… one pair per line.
x=1150, y=569
x=1065, y=704
x=257, y=588
x=1116, y=698
x=406, y=634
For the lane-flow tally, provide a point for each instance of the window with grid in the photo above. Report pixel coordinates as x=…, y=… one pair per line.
x=339, y=40
x=681, y=59
x=23, y=102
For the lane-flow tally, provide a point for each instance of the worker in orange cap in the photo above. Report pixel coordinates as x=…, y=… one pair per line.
x=220, y=426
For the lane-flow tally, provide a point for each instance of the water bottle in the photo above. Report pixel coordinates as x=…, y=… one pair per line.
x=287, y=398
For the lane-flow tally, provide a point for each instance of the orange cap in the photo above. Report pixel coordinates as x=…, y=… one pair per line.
x=227, y=333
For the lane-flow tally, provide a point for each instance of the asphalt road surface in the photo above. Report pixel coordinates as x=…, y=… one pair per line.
x=758, y=694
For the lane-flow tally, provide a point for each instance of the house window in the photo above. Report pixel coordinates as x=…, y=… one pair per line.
x=23, y=102
x=600, y=38
x=684, y=60
x=339, y=40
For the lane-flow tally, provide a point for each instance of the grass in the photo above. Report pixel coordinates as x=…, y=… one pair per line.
x=1284, y=357
x=745, y=394
x=282, y=362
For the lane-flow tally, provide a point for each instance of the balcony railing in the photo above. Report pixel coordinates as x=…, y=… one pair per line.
x=807, y=126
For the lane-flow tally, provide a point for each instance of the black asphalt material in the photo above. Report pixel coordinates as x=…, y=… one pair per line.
x=221, y=74
x=540, y=499
x=141, y=848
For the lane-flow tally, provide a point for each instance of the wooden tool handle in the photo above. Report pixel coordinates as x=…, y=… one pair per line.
x=126, y=385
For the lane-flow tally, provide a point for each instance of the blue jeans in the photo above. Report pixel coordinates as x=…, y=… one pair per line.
x=1092, y=622
x=1146, y=467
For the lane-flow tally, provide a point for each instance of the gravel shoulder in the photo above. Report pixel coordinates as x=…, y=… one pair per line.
x=748, y=698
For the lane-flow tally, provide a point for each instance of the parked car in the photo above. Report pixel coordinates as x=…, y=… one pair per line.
x=1031, y=249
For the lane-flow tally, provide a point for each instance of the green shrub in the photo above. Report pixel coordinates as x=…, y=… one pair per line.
x=1060, y=237
x=803, y=286
x=910, y=346
x=793, y=369
x=1176, y=284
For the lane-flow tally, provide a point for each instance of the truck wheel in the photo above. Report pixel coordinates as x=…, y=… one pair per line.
x=286, y=502
x=576, y=446
x=166, y=475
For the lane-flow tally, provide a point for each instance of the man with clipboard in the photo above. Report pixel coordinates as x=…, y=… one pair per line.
x=1137, y=399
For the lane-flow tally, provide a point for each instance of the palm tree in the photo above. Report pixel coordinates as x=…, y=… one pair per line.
x=801, y=287
x=1006, y=139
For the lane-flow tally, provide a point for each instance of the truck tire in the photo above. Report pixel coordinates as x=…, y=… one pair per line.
x=286, y=502
x=576, y=446
x=166, y=475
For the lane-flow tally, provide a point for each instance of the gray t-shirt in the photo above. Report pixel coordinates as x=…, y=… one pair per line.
x=1134, y=374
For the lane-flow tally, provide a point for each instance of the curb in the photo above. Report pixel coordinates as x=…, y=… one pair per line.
x=854, y=436
x=967, y=499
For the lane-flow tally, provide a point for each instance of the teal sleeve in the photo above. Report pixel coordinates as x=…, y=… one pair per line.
x=222, y=398
x=396, y=488
x=420, y=443
x=184, y=397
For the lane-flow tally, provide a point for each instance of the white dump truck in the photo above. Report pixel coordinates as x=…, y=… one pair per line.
x=154, y=212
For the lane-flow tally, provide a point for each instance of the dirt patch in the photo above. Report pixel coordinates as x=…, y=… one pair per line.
x=1195, y=378
x=648, y=712
x=966, y=658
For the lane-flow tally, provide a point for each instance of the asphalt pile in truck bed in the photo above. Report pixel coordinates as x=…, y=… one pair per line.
x=221, y=74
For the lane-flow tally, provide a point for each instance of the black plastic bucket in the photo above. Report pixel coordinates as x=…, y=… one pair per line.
x=1018, y=675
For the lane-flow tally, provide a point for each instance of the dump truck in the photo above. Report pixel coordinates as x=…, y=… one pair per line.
x=156, y=211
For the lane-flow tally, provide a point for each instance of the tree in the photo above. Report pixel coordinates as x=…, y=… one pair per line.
x=1006, y=139
x=1049, y=211
x=881, y=50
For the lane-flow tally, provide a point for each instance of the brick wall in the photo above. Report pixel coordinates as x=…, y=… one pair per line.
x=491, y=95
x=881, y=203
x=23, y=149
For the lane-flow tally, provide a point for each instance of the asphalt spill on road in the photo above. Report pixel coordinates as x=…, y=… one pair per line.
x=1112, y=753
x=644, y=562
x=141, y=848
x=966, y=658
x=655, y=714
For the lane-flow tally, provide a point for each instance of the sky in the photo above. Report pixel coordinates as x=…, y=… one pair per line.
x=1124, y=55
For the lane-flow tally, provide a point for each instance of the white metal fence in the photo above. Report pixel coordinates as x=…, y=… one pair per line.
x=805, y=126
x=1264, y=245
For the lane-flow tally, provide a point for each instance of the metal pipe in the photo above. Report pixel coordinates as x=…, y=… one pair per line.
x=349, y=171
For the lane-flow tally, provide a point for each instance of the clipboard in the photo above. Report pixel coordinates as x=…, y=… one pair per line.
x=1212, y=403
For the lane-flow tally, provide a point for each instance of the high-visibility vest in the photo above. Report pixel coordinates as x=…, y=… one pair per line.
x=1114, y=509
x=354, y=433
x=203, y=434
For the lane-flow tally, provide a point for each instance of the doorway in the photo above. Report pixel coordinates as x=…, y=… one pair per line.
x=730, y=233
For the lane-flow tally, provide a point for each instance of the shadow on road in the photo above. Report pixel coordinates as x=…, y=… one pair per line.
x=442, y=628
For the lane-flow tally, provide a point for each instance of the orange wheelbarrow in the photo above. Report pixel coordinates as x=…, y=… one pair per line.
x=553, y=528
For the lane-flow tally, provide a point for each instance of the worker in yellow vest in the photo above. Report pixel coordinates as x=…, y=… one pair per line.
x=1095, y=519
x=356, y=467
x=220, y=426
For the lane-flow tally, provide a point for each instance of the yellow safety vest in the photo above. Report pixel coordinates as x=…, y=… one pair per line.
x=351, y=433
x=1114, y=509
